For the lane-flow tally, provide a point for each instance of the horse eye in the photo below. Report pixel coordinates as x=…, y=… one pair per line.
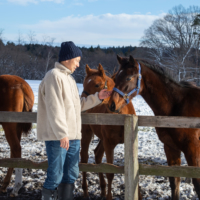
x=128, y=79
x=97, y=85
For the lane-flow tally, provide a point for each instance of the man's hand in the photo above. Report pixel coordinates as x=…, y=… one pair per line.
x=64, y=143
x=103, y=94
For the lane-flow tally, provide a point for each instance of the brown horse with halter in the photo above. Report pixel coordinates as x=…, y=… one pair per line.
x=16, y=95
x=109, y=136
x=166, y=97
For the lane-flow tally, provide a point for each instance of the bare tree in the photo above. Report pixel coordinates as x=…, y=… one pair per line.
x=49, y=42
x=172, y=39
x=1, y=38
x=31, y=37
x=1, y=51
x=196, y=25
x=20, y=39
x=1, y=34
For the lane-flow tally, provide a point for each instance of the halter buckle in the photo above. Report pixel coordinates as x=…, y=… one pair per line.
x=140, y=77
x=125, y=96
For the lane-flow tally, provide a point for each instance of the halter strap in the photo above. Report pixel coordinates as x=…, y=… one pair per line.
x=86, y=93
x=126, y=96
x=105, y=86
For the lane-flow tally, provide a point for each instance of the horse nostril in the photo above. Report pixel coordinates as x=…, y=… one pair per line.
x=112, y=107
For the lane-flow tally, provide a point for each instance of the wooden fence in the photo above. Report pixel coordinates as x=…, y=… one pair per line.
x=132, y=168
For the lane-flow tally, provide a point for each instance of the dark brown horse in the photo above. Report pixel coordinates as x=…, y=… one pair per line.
x=109, y=136
x=166, y=97
x=15, y=95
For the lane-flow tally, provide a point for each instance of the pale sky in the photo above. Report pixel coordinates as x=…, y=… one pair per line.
x=86, y=22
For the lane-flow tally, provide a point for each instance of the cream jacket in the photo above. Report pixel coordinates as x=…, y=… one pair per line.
x=59, y=106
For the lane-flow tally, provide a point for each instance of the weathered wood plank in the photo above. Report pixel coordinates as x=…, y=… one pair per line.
x=103, y=119
x=131, y=157
x=24, y=163
x=93, y=118
x=157, y=170
x=111, y=119
x=169, y=122
x=27, y=117
x=103, y=167
x=173, y=171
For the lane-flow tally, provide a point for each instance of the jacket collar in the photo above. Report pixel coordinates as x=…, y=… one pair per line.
x=62, y=68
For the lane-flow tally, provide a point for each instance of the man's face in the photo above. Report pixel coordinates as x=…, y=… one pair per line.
x=72, y=64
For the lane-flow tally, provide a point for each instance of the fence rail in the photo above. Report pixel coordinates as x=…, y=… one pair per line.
x=132, y=168
x=110, y=119
x=157, y=170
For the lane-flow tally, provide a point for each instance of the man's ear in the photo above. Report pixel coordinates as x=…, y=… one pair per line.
x=87, y=69
x=101, y=71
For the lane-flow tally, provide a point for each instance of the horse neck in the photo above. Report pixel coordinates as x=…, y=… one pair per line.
x=128, y=109
x=160, y=93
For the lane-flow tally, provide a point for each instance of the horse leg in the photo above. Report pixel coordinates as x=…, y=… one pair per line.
x=192, y=155
x=196, y=183
x=18, y=182
x=99, y=151
x=15, y=147
x=18, y=172
x=109, y=150
x=139, y=194
x=85, y=141
x=173, y=158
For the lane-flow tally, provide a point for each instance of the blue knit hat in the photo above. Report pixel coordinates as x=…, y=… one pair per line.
x=68, y=51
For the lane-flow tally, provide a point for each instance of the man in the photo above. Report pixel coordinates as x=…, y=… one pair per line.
x=59, y=122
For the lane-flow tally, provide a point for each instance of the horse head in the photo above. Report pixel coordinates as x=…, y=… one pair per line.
x=127, y=83
x=95, y=81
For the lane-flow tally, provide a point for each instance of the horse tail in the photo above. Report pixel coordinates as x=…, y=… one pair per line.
x=27, y=107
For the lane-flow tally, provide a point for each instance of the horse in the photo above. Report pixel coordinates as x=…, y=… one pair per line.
x=166, y=97
x=109, y=136
x=17, y=96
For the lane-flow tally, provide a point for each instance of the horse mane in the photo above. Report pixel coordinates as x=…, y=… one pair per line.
x=161, y=71
x=188, y=84
x=108, y=73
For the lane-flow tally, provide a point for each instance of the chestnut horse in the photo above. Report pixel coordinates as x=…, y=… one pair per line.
x=166, y=97
x=15, y=95
x=109, y=136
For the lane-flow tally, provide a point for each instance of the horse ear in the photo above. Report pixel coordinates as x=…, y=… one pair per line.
x=119, y=59
x=132, y=60
x=101, y=70
x=87, y=69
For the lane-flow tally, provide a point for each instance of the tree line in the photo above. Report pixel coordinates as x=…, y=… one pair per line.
x=32, y=61
x=172, y=42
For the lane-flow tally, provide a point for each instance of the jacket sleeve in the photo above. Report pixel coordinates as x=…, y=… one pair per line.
x=55, y=106
x=90, y=102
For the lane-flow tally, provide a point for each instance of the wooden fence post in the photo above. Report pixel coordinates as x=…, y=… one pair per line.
x=131, y=157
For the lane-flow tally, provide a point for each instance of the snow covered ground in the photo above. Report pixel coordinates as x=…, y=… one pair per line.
x=150, y=152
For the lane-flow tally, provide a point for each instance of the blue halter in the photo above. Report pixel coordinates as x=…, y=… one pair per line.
x=126, y=96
